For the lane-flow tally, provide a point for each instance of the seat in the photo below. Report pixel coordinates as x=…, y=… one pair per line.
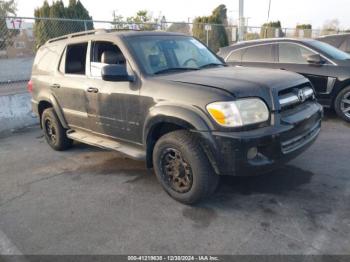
x=112, y=58
x=75, y=67
x=154, y=61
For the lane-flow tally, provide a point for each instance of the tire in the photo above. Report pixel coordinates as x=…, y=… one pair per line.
x=342, y=104
x=54, y=133
x=191, y=176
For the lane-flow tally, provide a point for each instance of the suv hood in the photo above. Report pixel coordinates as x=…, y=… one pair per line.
x=240, y=81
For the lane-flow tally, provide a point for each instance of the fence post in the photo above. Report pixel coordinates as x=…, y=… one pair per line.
x=207, y=36
x=85, y=26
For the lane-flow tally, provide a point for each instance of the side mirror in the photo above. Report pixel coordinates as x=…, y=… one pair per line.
x=315, y=60
x=116, y=73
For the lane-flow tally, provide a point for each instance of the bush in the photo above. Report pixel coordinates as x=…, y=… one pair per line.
x=268, y=30
x=217, y=35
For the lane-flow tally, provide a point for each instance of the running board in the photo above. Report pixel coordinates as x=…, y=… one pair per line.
x=106, y=143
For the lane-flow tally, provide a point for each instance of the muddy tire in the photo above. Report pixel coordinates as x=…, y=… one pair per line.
x=54, y=133
x=182, y=167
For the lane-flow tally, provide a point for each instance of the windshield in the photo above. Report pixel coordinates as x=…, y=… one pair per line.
x=164, y=54
x=331, y=51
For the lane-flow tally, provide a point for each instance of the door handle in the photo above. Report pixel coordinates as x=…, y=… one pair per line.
x=55, y=86
x=92, y=90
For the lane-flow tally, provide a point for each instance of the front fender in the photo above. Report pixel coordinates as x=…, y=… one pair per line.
x=190, y=118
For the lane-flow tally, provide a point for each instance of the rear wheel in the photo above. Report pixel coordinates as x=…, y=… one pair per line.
x=182, y=167
x=342, y=104
x=54, y=133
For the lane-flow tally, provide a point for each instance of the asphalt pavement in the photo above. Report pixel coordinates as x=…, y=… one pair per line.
x=90, y=201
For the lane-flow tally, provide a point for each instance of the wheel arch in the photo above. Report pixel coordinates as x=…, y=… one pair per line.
x=51, y=102
x=165, y=119
x=338, y=89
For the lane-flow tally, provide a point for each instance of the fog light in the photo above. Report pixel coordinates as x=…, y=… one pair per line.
x=252, y=153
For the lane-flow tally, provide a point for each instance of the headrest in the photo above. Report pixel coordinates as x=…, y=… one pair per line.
x=154, y=60
x=74, y=67
x=112, y=58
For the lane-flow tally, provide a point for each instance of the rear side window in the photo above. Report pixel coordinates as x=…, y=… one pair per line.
x=75, y=59
x=293, y=54
x=261, y=53
x=47, y=58
x=235, y=56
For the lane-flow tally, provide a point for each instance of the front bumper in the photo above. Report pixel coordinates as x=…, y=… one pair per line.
x=289, y=135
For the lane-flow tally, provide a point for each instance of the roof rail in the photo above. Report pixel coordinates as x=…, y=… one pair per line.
x=89, y=32
x=82, y=33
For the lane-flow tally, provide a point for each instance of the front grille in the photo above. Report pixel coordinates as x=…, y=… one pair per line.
x=292, y=97
x=301, y=140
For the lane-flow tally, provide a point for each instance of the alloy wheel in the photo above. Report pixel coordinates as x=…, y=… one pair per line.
x=345, y=105
x=176, y=172
x=50, y=131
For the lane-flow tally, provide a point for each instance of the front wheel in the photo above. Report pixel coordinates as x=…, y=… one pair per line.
x=342, y=104
x=182, y=167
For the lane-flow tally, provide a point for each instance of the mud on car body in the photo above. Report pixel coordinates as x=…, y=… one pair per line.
x=167, y=99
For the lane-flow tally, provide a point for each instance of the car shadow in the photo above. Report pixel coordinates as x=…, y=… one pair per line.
x=278, y=182
x=330, y=115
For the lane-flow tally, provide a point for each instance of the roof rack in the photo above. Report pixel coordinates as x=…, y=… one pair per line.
x=89, y=32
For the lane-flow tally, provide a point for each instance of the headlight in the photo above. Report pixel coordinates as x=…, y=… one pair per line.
x=239, y=113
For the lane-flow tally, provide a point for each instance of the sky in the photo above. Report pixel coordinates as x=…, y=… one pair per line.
x=289, y=12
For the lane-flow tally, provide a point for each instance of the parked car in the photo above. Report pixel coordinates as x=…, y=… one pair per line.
x=340, y=41
x=167, y=99
x=326, y=67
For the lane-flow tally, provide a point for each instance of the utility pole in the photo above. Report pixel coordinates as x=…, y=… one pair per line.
x=268, y=12
x=241, y=21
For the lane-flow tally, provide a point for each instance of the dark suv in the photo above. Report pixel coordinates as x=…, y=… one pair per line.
x=167, y=99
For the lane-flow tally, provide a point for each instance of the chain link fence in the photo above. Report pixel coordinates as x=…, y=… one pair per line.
x=21, y=36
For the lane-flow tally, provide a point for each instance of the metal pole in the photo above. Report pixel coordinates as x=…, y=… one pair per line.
x=268, y=13
x=241, y=20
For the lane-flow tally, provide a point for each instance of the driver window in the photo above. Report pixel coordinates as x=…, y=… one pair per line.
x=188, y=54
x=293, y=54
x=102, y=54
x=154, y=57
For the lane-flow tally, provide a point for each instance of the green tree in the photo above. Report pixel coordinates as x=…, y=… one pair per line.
x=143, y=21
x=217, y=35
x=330, y=27
x=45, y=28
x=118, y=22
x=304, y=30
x=7, y=8
x=271, y=29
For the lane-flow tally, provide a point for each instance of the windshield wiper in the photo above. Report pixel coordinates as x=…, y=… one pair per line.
x=211, y=65
x=175, y=69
